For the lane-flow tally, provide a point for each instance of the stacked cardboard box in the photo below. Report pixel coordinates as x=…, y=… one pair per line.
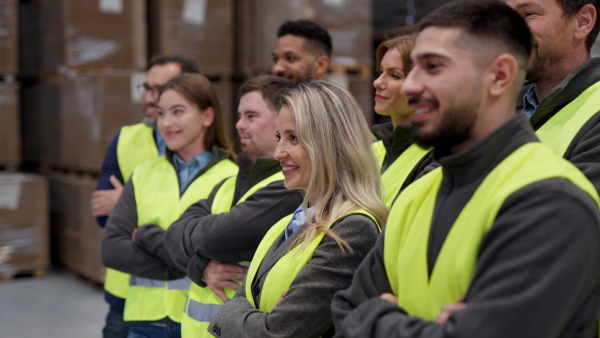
x=65, y=35
x=82, y=61
x=24, y=240
x=203, y=31
x=76, y=242
x=10, y=131
x=71, y=121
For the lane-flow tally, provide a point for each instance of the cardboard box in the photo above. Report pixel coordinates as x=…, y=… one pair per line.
x=71, y=121
x=64, y=35
x=349, y=23
x=76, y=235
x=201, y=30
x=24, y=215
x=10, y=127
x=9, y=37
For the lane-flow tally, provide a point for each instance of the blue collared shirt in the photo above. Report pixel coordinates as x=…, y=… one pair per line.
x=161, y=144
x=188, y=170
x=530, y=104
x=298, y=219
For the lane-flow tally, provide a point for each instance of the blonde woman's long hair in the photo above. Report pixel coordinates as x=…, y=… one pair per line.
x=344, y=174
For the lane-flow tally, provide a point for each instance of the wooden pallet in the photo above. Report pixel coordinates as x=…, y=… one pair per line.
x=7, y=274
x=71, y=172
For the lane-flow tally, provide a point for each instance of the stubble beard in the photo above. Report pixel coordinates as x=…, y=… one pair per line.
x=455, y=127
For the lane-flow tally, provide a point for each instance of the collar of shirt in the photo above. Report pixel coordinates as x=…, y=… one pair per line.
x=530, y=104
x=161, y=144
x=188, y=170
x=298, y=219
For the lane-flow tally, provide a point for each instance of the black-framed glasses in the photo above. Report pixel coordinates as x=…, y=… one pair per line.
x=144, y=87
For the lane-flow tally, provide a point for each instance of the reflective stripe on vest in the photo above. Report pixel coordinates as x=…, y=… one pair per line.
x=158, y=200
x=283, y=273
x=407, y=231
x=396, y=174
x=135, y=146
x=202, y=300
x=561, y=129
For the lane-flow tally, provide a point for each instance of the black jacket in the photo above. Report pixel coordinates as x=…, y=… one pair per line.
x=538, y=269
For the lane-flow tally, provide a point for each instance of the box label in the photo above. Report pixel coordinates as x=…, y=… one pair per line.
x=336, y=3
x=10, y=193
x=137, y=79
x=194, y=11
x=111, y=6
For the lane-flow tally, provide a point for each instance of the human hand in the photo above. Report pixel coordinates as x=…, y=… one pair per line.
x=103, y=201
x=281, y=298
x=220, y=275
x=449, y=309
x=389, y=297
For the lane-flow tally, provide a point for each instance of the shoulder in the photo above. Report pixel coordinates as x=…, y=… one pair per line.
x=357, y=229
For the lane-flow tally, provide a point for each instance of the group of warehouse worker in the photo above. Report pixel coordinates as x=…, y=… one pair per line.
x=473, y=213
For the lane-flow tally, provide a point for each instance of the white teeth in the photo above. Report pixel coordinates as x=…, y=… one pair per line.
x=289, y=168
x=421, y=110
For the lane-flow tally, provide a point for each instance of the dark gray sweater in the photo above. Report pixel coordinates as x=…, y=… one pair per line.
x=538, y=270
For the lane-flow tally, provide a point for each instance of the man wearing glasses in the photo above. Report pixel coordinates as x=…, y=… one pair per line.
x=132, y=146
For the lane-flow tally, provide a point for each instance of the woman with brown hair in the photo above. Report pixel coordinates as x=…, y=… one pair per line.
x=399, y=158
x=197, y=158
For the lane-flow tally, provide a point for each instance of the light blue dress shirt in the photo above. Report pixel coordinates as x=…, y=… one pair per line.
x=188, y=170
x=298, y=219
x=530, y=104
x=161, y=144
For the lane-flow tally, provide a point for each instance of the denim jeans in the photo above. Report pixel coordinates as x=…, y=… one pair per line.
x=155, y=330
x=115, y=327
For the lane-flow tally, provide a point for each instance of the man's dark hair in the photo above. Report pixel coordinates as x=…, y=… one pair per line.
x=571, y=7
x=314, y=34
x=186, y=65
x=270, y=86
x=486, y=20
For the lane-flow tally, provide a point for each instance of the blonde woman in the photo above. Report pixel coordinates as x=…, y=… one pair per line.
x=325, y=149
x=400, y=159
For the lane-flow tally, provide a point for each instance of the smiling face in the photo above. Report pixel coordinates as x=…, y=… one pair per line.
x=444, y=87
x=182, y=124
x=292, y=60
x=290, y=153
x=388, y=99
x=156, y=77
x=552, y=33
x=256, y=126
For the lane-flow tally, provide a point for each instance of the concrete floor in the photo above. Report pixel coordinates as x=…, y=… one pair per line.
x=57, y=305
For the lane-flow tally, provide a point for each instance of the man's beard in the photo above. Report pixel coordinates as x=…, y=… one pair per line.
x=455, y=127
x=149, y=121
x=539, y=67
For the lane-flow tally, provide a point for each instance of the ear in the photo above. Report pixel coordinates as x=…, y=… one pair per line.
x=320, y=65
x=585, y=21
x=503, y=72
x=208, y=117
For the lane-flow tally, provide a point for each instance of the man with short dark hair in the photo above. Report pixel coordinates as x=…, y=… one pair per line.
x=503, y=239
x=132, y=146
x=302, y=52
x=563, y=97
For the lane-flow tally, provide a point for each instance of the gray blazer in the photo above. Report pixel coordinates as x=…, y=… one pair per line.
x=305, y=310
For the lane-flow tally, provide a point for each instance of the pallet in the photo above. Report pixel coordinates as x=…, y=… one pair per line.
x=71, y=172
x=9, y=274
x=364, y=71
